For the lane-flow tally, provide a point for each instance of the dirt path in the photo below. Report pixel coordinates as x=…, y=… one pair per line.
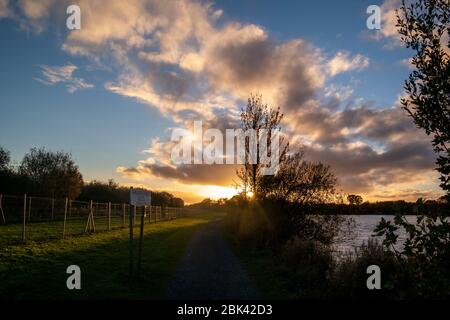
x=210, y=270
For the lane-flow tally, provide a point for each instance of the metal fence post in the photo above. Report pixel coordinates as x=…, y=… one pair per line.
x=65, y=217
x=24, y=216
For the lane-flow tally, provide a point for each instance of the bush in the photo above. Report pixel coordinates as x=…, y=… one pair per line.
x=348, y=279
x=424, y=259
x=307, y=264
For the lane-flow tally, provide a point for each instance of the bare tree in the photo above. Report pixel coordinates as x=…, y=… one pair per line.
x=257, y=116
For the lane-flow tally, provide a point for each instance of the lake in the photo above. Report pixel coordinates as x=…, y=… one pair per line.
x=362, y=229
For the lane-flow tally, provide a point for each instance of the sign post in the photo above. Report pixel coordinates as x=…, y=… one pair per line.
x=138, y=198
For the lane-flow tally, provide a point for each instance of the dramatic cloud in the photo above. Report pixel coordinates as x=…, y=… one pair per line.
x=63, y=74
x=176, y=57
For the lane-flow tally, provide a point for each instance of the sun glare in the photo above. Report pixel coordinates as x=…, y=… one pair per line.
x=217, y=192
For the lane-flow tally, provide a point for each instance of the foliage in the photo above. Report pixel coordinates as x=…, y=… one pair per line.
x=424, y=27
x=5, y=158
x=354, y=199
x=424, y=257
x=52, y=174
x=308, y=264
x=348, y=278
x=300, y=181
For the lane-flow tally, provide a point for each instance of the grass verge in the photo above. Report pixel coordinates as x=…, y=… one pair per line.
x=38, y=270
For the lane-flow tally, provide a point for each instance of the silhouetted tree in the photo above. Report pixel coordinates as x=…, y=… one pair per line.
x=52, y=174
x=104, y=192
x=424, y=27
x=257, y=116
x=300, y=181
x=5, y=158
x=354, y=199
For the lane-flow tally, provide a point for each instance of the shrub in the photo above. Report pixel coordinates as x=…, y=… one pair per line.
x=308, y=264
x=348, y=279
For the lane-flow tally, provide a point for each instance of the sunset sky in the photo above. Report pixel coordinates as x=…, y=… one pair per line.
x=111, y=92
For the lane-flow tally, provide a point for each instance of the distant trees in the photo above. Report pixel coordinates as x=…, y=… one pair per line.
x=424, y=27
x=5, y=158
x=55, y=174
x=354, y=199
x=104, y=192
x=52, y=174
x=112, y=191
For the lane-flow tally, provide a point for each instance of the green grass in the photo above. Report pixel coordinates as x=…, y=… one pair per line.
x=37, y=270
x=50, y=230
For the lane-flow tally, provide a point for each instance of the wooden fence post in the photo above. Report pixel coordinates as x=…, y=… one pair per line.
x=24, y=216
x=65, y=217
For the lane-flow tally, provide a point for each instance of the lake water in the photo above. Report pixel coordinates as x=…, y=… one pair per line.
x=361, y=229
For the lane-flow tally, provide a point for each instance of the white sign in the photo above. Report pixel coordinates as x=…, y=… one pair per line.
x=140, y=197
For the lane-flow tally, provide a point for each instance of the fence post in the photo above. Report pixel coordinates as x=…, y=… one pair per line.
x=24, y=216
x=70, y=208
x=1, y=209
x=109, y=215
x=65, y=217
x=141, y=236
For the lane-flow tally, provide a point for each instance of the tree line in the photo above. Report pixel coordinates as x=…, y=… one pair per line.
x=54, y=174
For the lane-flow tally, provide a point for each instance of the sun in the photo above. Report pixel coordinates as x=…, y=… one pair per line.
x=217, y=192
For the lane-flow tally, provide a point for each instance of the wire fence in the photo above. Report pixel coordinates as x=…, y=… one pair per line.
x=25, y=218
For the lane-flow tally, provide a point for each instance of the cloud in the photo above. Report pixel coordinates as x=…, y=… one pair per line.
x=342, y=62
x=63, y=74
x=4, y=9
x=175, y=57
x=389, y=30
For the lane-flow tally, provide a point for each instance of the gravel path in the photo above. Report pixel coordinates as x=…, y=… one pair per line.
x=210, y=270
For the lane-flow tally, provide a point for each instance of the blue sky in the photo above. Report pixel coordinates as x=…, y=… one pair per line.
x=114, y=128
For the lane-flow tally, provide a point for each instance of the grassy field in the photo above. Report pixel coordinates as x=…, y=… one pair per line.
x=50, y=230
x=38, y=270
